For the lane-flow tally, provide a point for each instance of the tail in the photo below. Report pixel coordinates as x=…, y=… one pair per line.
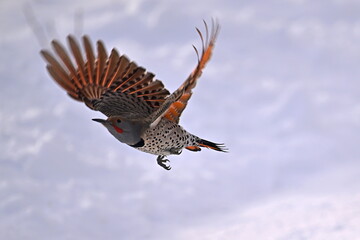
x=207, y=144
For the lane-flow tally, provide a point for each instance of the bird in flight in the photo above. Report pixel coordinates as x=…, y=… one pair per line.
x=140, y=111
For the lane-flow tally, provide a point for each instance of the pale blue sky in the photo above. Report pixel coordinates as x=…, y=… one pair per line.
x=282, y=91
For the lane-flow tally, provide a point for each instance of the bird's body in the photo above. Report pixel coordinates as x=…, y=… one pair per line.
x=167, y=138
x=141, y=112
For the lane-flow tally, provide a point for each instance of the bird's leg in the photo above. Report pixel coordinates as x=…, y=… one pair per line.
x=176, y=151
x=161, y=160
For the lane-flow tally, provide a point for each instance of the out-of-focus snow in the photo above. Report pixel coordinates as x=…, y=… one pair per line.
x=282, y=91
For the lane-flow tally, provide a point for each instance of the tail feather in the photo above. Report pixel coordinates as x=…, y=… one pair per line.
x=215, y=146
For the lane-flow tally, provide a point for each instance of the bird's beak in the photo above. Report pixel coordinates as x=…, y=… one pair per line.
x=103, y=121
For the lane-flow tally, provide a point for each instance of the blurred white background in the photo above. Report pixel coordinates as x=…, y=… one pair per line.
x=282, y=91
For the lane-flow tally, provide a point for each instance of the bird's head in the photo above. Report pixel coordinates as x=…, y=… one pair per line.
x=124, y=130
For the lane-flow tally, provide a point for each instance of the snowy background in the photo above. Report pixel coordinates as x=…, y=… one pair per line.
x=282, y=91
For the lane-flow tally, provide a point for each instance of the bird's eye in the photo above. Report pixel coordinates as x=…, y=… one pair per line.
x=118, y=121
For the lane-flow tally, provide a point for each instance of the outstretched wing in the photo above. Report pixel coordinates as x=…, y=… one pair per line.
x=177, y=101
x=111, y=84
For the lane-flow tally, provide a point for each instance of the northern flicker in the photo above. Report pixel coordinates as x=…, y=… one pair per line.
x=141, y=112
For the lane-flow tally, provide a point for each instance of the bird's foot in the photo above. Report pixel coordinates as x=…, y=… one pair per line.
x=161, y=160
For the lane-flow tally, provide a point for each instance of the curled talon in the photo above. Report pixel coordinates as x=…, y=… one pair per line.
x=161, y=161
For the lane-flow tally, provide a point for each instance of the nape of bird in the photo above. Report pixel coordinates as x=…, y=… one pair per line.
x=140, y=110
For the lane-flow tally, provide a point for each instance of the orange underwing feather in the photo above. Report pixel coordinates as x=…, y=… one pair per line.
x=78, y=58
x=163, y=92
x=101, y=59
x=135, y=76
x=119, y=71
x=66, y=60
x=125, y=75
x=92, y=76
x=57, y=69
x=110, y=68
x=90, y=58
x=65, y=84
x=178, y=105
x=190, y=83
x=129, y=70
x=145, y=78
